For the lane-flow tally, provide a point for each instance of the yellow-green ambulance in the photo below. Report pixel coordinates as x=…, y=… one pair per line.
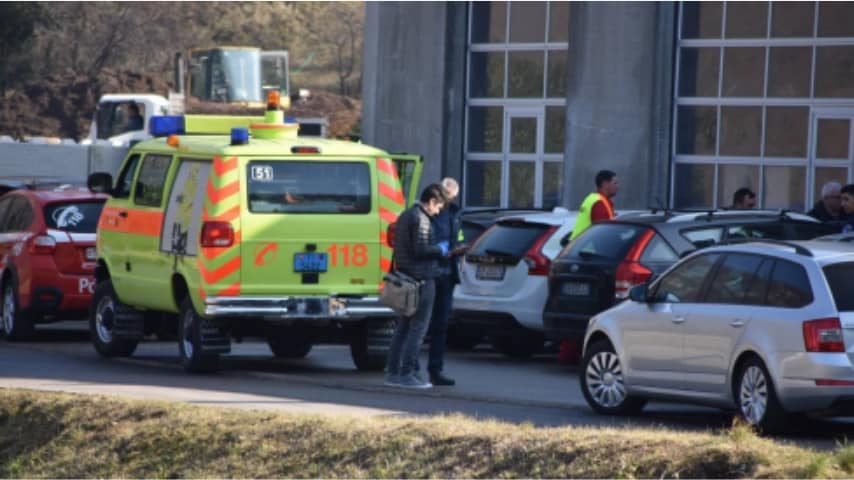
x=233, y=227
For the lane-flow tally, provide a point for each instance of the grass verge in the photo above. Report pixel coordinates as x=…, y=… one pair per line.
x=66, y=436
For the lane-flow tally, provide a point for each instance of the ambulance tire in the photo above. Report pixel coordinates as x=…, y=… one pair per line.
x=103, y=310
x=193, y=358
x=370, y=348
x=289, y=346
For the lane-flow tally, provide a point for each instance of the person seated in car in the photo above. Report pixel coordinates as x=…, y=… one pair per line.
x=134, y=121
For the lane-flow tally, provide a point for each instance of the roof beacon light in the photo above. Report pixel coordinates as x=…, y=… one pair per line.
x=239, y=136
x=173, y=141
x=274, y=100
x=164, y=125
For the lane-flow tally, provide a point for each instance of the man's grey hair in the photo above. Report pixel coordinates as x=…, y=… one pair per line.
x=450, y=186
x=829, y=189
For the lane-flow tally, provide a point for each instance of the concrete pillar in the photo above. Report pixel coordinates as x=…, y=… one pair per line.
x=618, y=100
x=413, y=88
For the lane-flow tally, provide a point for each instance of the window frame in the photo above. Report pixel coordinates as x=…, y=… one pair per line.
x=164, y=187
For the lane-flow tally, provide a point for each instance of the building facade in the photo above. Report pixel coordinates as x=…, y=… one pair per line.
x=687, y=102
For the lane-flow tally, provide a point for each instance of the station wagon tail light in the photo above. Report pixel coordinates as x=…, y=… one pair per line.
x=630, y=272
x=42, y=245
x=538, y=264
x=823, y=335
x=217, y=234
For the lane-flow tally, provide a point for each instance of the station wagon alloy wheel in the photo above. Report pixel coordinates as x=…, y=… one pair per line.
x=605, y=379
x=753, y=395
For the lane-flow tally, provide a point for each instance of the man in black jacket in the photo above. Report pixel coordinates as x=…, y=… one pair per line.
x=416, y=254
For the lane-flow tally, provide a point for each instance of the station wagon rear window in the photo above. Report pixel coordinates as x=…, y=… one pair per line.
x=839, y=277
x=309, y=187
x=77, y=217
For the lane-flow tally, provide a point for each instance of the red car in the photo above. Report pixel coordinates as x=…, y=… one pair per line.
x=47, y=256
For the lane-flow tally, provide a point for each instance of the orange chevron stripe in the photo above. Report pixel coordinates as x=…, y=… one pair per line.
x=202, y=294
x=384, y=239
x=214, y=276
x=212, y=253
x=217, y=195
x=385, y=264
x=386, y=166
x=387, y=215
x=226, y=216
x=391, y=193
x=221, y=167
x=230, y=290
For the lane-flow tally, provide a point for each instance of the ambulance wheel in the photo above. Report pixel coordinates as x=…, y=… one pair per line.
x=104, y=308
x=285, y=345
x=369, y=349
x=193, y=358
x=17, y=324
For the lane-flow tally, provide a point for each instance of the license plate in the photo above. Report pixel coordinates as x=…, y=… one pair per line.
x=310, y=262
x=490, y=272
x=576, y=289
x=91, y=254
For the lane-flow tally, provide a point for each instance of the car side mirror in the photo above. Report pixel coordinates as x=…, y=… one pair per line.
x=564, y=241
x=640, y=293
x=100, y=182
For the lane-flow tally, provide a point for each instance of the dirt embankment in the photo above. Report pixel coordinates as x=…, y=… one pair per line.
x=62, y=106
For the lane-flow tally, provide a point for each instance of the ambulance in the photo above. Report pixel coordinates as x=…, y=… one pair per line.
x=233, y=227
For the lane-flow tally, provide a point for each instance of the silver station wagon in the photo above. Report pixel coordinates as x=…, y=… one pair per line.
x=765, y=328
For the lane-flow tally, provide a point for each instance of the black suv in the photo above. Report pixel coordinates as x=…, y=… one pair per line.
x=599, y=268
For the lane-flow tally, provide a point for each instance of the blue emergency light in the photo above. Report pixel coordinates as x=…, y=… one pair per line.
x=239, y=136
x=164, y=125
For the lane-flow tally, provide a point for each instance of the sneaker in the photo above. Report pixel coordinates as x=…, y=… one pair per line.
x=412, y=381
x=439, y=380
x=392, y=380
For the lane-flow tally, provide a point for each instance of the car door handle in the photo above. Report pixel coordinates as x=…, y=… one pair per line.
x=678, y=319
x=737, y=323
x=123, y=214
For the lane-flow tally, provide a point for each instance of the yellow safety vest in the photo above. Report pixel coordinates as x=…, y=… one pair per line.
x=585, y=213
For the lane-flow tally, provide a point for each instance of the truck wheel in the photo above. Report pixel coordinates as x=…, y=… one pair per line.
x=370, y=348
x=285, y=345
x=104, y=308
x=193, y=357
x=519, y=346
x=603, y=383
x=17, y=324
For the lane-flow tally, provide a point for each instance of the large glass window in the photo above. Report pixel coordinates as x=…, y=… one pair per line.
x=516, y=103
x=755, y=91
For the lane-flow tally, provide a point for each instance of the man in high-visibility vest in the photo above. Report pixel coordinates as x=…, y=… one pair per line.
x=597, y=206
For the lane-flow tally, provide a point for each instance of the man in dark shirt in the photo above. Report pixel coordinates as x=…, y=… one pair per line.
x=416, y=253
x=848, y=207
x=829, y=208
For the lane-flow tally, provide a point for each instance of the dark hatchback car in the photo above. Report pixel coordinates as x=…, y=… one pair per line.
x=597, y=270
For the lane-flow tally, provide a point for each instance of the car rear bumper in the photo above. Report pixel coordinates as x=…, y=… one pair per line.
x=799, y=389
x=54, y=294
x=565, y=326
x=525, y=307
x=309, y=308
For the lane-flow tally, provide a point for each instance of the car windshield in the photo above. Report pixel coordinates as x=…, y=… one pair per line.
x=839, y=277
x=605, y=240
x=309, y=187
x=508, y=239
x=73, y=217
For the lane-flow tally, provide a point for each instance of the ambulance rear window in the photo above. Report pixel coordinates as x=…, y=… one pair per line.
x=309, y=187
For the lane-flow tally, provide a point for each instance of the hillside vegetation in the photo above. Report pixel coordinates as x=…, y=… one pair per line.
x=49, y=435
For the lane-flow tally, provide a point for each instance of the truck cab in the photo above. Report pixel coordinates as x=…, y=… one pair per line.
x=124, y=118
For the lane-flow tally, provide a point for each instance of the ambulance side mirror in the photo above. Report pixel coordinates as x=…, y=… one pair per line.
x=100, y=182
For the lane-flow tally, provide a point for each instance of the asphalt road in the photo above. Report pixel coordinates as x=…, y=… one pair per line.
x=538, y=390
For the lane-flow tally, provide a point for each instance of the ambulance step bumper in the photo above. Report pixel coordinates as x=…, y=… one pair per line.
x=297, y=307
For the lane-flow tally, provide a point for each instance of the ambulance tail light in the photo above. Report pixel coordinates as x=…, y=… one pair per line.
x=217, y=235
x=304, y=149
x=389, y=234
x=42, y=245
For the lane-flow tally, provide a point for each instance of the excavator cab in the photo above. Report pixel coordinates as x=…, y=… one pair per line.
x=225, y=74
